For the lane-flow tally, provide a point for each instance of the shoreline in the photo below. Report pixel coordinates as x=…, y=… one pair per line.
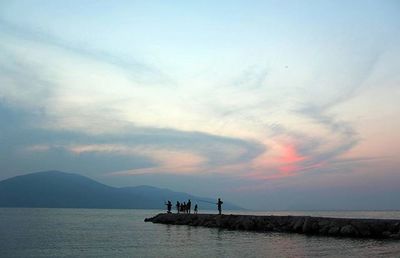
x=322, y=226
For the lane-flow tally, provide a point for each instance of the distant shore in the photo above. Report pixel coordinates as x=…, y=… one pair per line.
x=342, y=227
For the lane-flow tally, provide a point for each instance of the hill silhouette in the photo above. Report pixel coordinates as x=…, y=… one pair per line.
x=55, y=189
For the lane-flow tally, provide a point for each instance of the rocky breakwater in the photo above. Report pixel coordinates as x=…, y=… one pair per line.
x=346, y=227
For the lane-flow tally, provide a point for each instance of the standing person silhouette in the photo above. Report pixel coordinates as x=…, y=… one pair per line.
x=195, y=208
x=219, y=204
x=183, y=207
x=169, y=206
x=189, y=204
x=178, y=206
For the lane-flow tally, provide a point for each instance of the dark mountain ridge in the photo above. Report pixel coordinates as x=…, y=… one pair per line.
x=55, y=189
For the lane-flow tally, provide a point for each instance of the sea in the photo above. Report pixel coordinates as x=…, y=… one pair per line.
x=41, y=232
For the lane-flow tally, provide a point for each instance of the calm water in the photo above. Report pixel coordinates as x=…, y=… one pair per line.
x=122, y=233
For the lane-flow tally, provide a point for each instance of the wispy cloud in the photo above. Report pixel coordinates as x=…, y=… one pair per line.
x=163, y=150
x=241, y=100
x=139, y=70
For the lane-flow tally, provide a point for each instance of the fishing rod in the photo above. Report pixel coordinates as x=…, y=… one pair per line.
x=204, y=201
x=200, y=201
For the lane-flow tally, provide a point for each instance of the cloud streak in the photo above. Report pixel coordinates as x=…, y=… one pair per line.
x=140, y=71
x=163, y=150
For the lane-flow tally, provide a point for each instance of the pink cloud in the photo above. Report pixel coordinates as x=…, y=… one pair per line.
x=286, y=162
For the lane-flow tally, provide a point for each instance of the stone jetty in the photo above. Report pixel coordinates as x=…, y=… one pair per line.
x=342, y=227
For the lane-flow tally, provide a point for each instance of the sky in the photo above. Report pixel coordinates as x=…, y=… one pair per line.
x=272, y=105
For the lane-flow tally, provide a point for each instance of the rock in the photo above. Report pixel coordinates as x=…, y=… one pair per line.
x=394, y=228
x=307, y=226
x=377, y=228
x=218, y=221
x=325, y=226
x=298, y=226
x=362, y=229
x=207, y=224
x=248, y=224
x=281, y=221
x=324, y=230
x=315, y=226
x=225, y=223
x=239, y=226
x=348, y=230
x=334, y=230
x=323, y=223
x=395, y=236
x=269, y=227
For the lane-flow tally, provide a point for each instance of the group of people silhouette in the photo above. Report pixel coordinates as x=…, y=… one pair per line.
x=185, y=207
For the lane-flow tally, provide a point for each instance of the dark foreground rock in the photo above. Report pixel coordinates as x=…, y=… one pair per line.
x=346, y=227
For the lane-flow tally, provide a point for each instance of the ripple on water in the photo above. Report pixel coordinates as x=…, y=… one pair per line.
x=104, y=233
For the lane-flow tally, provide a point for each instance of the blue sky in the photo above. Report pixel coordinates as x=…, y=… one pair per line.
x=270, y=104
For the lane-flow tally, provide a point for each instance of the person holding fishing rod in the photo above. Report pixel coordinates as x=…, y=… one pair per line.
x=188, y=206
x=169, y=206
x=219, y=204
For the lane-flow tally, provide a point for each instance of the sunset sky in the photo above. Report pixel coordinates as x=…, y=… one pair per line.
x=267, y=104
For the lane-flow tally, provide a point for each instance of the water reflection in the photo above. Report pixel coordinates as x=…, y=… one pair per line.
x=334, y=214
x=105, y=233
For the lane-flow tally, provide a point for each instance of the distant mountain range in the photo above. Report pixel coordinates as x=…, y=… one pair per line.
x=55, y=189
